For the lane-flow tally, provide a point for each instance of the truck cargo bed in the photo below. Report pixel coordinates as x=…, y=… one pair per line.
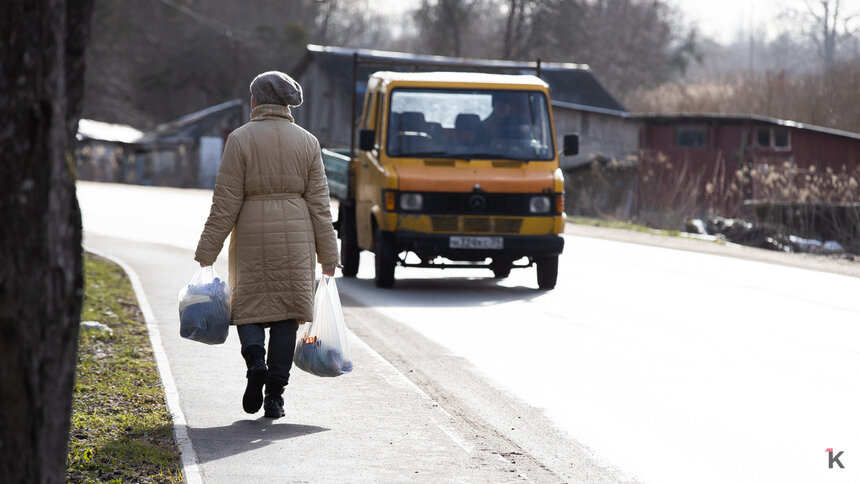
x=337, y=171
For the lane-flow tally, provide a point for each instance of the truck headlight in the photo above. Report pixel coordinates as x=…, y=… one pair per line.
x=411, y=201
x=539, y=204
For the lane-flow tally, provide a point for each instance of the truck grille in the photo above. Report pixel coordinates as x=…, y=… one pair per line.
x=445, y=224
x=477, y=224
x=500, y=225
x=508, y=225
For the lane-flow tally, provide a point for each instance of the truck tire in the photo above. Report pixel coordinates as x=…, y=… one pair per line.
x=385, y=259
x=547, y=271
x=349, y=251
x=501, y=268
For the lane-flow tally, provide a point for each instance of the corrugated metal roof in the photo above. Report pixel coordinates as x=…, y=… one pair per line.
x=181, y=129
x=568, y=82
x=739, y=118
x=412, y=59
x=591, y=109
x=98, y=130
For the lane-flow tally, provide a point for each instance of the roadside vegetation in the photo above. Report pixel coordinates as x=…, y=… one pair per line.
x=121, y=430
x=617, y=224
x=776, y=206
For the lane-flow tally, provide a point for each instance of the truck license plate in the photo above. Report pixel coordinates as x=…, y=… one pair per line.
x=467, y=242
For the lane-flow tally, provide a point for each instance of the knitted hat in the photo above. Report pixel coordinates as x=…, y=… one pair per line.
x=275, y=87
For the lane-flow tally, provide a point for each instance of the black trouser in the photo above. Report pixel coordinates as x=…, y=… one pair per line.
x=282, y=345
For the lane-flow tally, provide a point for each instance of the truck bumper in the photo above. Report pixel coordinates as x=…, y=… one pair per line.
x=513, y=246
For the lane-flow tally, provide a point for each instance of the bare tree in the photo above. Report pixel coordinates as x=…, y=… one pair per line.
x=353, y=24
x=40, y=267
x=827, y=20
x=443, y=25
x=152, y=61
x=826, y=24
x=324, y=20
x=517, y=25
x=628, y=43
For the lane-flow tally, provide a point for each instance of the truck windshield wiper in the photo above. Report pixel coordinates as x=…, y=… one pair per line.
x=471, y=156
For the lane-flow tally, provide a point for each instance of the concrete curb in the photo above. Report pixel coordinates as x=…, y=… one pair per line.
x=190, y=470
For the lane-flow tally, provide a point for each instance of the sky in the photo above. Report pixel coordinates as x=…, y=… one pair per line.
x=722, y=19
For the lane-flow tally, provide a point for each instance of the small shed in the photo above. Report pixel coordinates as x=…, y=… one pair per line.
x=181, y=153
x=580, y=103
x=102, y=150
x=187, y=152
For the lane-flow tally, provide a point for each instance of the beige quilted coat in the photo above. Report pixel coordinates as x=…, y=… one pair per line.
x=271, y=192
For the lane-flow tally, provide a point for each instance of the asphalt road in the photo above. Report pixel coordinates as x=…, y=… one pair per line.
x=645, y=363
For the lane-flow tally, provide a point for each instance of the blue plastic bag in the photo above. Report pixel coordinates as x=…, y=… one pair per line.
x=204, y=308
x=323, y=350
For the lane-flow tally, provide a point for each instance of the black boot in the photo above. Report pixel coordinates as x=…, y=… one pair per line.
x=274, y=406
x=255, y=358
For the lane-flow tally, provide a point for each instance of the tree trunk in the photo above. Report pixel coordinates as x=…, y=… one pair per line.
x=507, y=43
x=451, y=12
x=514, y=38
x=42, y=54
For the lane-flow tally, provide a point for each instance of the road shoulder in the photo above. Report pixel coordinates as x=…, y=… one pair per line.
x=844, y=265
x=492, y=424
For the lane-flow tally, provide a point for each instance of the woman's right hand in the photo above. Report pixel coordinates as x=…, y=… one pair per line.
x=330, y=272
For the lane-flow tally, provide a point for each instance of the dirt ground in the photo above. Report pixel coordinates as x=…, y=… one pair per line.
x=846, y=264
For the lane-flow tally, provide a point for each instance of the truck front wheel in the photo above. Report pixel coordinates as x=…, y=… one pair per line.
x=547, y=271
x=349, y=251
x=385, y=259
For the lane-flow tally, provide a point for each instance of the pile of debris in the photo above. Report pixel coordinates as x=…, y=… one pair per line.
x=771, y=237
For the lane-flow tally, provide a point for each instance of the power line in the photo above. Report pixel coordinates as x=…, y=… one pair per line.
x=210, y=22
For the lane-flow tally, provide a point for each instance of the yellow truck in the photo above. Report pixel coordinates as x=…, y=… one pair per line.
x=453, y=169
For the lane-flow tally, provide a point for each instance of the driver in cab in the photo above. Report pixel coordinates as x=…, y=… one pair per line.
x=506, y=122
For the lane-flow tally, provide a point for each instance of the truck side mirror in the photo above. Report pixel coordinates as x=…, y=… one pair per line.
x=571, y=144
x=367, y=140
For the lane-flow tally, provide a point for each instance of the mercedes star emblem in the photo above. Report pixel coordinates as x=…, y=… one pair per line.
x=477, y=202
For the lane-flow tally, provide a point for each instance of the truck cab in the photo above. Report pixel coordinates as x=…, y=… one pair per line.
x=459, y=169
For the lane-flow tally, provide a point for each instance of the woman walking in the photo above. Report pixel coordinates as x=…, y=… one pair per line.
x=271, y=193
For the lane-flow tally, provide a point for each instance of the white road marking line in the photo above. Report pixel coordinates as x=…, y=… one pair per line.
x=190, y=470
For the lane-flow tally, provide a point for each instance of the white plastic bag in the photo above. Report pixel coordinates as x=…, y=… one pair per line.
x=204, y=308
x=323, y=350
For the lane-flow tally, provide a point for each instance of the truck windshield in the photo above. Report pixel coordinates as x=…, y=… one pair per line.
x=469, y=124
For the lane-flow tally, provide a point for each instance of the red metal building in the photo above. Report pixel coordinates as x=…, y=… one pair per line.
x=726, y=159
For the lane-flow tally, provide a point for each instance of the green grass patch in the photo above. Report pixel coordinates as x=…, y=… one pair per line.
x=615, y=224
x=121, y=430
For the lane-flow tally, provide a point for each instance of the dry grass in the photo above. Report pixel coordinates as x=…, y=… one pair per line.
x=814, y=203
x=786, y=183
x=669, y=193
x=822, y=98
